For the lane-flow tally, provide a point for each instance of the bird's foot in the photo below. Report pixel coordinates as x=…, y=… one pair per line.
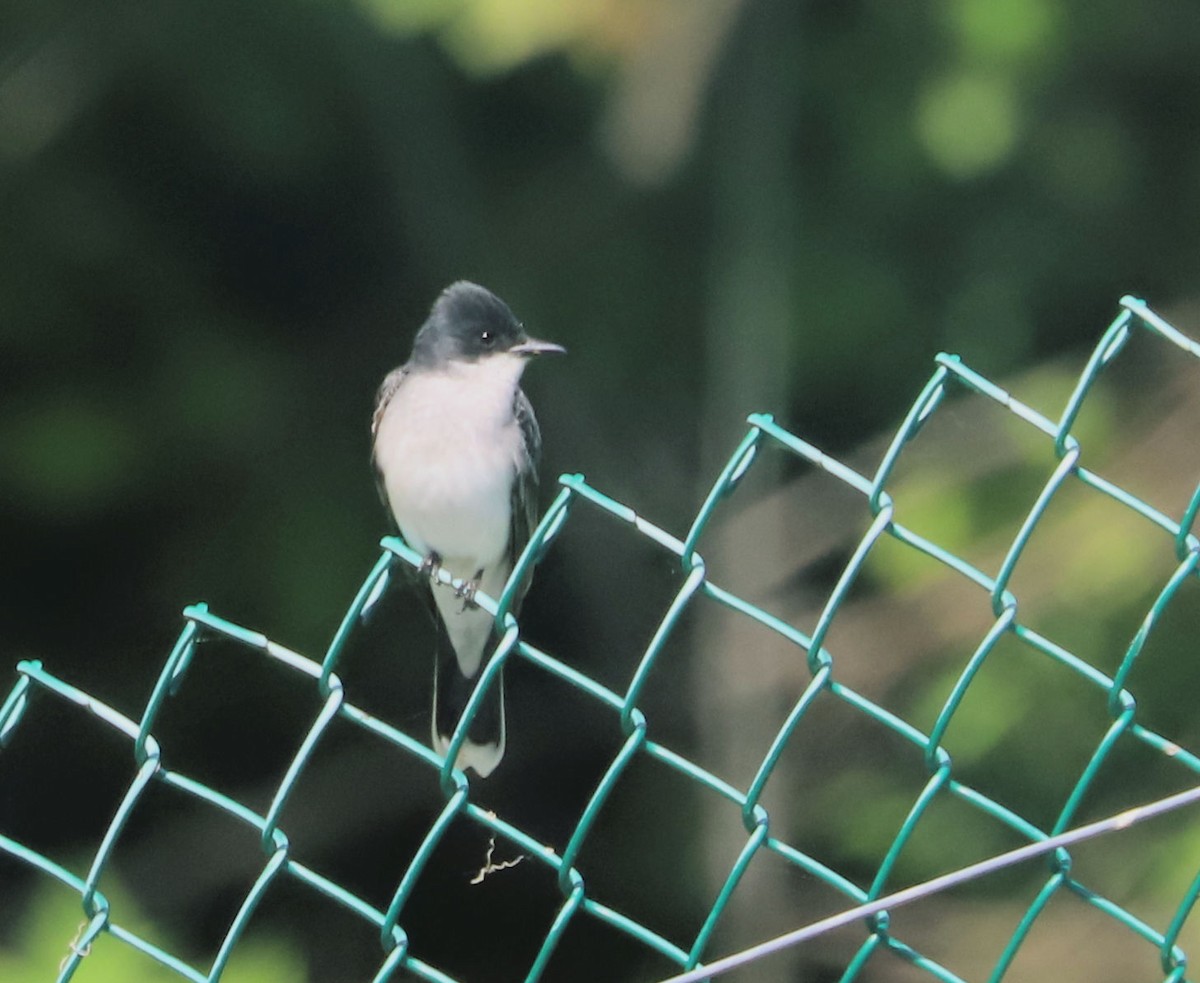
x=431, y=566
x=466, y=590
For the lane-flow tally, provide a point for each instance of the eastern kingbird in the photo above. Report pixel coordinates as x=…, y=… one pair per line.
x=456, y=448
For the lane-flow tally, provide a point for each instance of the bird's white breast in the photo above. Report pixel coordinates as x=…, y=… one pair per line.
x=448, y=448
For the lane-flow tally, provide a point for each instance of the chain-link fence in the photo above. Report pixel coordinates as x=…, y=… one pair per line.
x=1117, y=711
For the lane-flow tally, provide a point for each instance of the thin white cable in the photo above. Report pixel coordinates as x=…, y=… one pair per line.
x=1122, y=820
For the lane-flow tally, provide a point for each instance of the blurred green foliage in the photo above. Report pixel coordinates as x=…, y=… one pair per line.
x=45, y=930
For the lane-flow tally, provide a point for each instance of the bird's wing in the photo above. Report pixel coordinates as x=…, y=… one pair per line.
x=387, y=389
x=525, y=489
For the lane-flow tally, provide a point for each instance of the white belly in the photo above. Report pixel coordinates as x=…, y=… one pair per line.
x=448, y=449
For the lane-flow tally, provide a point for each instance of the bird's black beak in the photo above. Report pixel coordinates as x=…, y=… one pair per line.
x=532, y=346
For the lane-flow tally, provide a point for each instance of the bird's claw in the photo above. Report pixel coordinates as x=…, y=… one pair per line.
x=466, y=590
x=431, y=566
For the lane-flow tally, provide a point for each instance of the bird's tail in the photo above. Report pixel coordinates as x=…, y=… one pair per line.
x=484, y=746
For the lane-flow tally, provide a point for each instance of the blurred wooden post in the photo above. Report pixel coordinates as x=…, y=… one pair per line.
x=751, y=317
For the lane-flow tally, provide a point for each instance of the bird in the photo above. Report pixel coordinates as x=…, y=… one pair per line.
x=456, y=448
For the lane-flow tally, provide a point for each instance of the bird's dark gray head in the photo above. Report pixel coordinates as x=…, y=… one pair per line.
x=469, y=322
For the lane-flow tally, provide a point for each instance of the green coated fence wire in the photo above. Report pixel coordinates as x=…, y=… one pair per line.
x=397, y=957
x=944, y=882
